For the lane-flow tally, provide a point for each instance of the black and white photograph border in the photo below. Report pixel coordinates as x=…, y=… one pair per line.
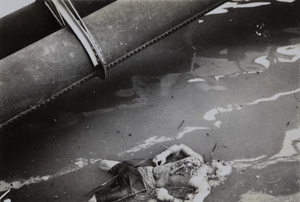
x=83, y=82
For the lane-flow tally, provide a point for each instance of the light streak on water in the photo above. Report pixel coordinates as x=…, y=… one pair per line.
x=190, y=129
x=286, y=1
x=224, y=8
x=211, y=114
x=77, y=165
x=196, y=80
x=290, y=53
x=263, y=61
x=286, y=154
x=289, y=153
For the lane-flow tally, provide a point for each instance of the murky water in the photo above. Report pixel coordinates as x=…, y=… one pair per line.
x=231, y=78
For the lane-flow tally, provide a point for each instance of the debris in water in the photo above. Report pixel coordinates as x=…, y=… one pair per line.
x=212, y=152
x=180, y=124
x=4, y=194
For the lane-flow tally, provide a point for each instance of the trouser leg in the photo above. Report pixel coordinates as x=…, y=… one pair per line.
x=113, y=195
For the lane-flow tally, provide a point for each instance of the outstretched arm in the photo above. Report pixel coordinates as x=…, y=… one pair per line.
x=199, y=196
x=163, y=195
x=175, y=149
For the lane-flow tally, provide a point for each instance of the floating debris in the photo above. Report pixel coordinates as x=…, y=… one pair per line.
x=180, y=124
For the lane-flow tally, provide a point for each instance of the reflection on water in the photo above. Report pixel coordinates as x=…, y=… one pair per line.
x=262, y=60
x=155, y=140
x=224, y=8
x=287, y=1
x=77, y=165
x=290, y=152
x=211, y=114
x=288, y=53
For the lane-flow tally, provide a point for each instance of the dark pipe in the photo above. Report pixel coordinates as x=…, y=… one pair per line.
x=34, y=22
x=53, y=63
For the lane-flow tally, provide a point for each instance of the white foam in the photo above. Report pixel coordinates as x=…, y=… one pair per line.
x=196, y=80
x=250, y=160
x=190, y=129
x=218, y=124
x=286, y=1
x=218, y=77
x=288, y=149
x=290, y=53
x=263, y=61
x=288, y=153
x=224, y=8
x=274, y=97
x=17, y=184
x=211, y=115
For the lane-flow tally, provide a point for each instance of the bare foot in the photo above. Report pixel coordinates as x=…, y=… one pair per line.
x=93, y=199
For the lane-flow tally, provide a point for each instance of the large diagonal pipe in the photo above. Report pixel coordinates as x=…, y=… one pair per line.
x=58, y=60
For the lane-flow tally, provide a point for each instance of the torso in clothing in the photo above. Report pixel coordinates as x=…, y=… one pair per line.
x=179, y=173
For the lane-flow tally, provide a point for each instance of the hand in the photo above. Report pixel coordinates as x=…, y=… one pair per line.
x=163, y=194
x=159, y=159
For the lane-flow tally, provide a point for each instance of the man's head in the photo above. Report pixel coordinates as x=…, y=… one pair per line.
x=222, y=168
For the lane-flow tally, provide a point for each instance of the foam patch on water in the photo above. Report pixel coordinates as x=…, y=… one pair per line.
x=224, y=8
x=286, y=1
x=218, y=77
x=218, y=124
x=263, y=61
x=242, y=164
x=274, y=97
x=196, y=80
x=252, y=63
x=290, y=152
x=291, y=145
x=190, y=129
x=155, y=139
x=289, y=53
x=77, y=165
x=249, y=160
x=211, y=114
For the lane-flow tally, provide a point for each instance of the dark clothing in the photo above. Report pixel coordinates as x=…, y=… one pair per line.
x=129, y=181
